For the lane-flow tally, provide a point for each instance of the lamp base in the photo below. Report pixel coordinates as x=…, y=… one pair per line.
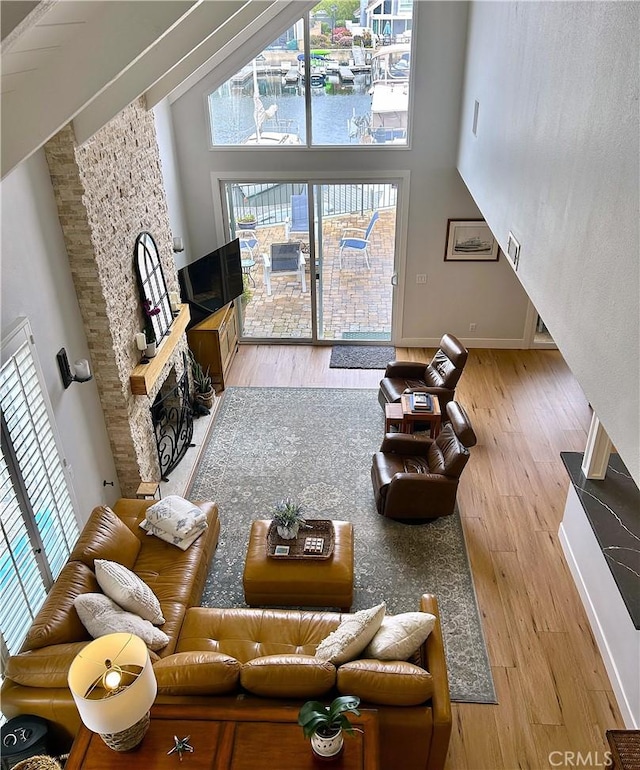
x=130, y=738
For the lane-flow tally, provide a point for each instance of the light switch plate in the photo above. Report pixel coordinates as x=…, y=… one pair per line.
x=513, y=249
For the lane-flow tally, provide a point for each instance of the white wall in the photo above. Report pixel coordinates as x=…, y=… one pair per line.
x=37, y=283
x=166, y=146
x=455, y=295
x=556, y=161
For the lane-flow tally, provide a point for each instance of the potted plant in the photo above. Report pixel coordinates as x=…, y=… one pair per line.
x=205, y=393
x=149, y=331
x=246, y=221
x=288, y=517
x=325, y=724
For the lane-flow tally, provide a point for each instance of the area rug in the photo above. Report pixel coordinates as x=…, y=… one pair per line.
x=361, y=356
x=315, y=445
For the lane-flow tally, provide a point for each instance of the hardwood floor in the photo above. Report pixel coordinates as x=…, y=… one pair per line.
x=526, y=407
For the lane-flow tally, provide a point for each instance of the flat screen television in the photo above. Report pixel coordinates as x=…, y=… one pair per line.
x=212, y=281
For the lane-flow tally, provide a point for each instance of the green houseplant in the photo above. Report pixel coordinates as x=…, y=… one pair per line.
x=288, y=517
x=324, y=725
x=204, y=392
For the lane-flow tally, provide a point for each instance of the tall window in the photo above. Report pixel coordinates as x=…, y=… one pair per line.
x=353, y=80
x=37, y=518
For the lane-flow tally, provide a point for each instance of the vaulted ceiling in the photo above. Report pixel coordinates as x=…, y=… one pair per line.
x=84, y=61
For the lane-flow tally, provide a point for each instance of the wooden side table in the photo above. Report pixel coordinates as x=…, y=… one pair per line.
x=410, y=418
x=393, y=415
x=149, y=490
x=227, y=738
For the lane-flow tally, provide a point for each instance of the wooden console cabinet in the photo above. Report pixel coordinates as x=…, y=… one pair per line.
x=214, y=343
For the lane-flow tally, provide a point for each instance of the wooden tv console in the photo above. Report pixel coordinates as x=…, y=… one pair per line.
x=214, y=343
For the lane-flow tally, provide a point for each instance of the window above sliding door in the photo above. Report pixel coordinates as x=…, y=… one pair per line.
x=339, y=77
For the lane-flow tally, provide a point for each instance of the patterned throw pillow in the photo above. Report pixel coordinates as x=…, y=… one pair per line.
x=400, y=636
x=100, y=615
x=352, y=635
x=128, y=590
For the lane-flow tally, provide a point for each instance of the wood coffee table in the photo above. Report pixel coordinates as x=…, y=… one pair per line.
x=227, y=738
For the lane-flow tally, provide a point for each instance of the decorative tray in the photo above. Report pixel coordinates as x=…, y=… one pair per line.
x=315, y=541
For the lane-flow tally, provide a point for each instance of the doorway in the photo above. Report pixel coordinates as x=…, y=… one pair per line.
x=319, y=259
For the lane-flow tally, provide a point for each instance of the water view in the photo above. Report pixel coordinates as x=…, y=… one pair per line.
x=337, y=110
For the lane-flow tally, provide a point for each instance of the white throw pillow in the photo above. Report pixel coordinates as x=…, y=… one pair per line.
x=352, y=635
x=128, y=590
x=400, y=636
x=100, y=615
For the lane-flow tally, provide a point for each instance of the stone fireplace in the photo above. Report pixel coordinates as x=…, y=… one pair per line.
x=108, y=191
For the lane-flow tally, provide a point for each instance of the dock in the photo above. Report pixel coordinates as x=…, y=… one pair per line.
x=346, y=74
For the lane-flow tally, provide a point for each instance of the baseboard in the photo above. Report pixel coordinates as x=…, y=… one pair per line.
x=600, y=633
x=471, y=342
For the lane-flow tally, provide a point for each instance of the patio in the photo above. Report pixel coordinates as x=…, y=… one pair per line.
x=354, y=302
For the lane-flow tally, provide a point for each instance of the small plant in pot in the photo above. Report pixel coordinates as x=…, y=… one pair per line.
x=205, y=393
x=288, y=517
x=325, y=724
x=246, y=221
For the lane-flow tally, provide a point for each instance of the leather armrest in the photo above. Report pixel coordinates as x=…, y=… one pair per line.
x=406, y=444
x=411, y=369
x=434, y=660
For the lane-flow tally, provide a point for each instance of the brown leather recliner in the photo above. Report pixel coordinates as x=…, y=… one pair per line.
x=415, y=477
x=439, y=377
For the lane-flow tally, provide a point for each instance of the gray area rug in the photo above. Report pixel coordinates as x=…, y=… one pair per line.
x=315, y=445
x=361, y=356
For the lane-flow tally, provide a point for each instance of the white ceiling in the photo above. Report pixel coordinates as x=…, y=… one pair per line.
x=85, y=60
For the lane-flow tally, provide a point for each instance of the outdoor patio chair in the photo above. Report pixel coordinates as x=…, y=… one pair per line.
x=357, y=238
x=297, y=225
x=284, y=259
x=248, y=243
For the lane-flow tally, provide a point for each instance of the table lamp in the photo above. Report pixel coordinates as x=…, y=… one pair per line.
x=113, y=686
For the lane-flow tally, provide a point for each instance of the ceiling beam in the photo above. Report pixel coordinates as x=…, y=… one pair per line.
x=202, y=60
x=211, y=24
x=110, y=39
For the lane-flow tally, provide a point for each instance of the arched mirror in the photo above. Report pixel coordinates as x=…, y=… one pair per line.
x=153, y=289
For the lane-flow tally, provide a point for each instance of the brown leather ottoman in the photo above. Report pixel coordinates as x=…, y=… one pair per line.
x=299, y=582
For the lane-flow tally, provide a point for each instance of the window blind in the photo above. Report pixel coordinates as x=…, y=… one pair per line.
x=37, y=516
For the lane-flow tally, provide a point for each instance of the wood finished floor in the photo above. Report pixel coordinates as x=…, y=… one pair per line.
x=526, y=407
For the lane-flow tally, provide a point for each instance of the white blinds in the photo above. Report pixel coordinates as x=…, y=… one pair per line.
x=39, y=526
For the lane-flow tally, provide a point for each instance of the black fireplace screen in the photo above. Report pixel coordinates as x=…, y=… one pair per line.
x=172, y=419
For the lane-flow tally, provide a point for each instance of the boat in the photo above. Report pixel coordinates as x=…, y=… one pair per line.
x=318, y=72
x=390, y=69
x=270, y=131
x=474, y=245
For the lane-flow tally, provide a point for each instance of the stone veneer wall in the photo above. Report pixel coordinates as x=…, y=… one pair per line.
x=108, y=191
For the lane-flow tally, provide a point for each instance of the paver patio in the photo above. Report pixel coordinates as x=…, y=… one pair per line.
x=356, y=300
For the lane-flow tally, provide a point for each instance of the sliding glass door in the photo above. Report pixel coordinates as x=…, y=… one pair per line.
x=318, y=258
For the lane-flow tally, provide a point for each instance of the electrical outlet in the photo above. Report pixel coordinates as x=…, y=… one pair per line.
x=421, y=278
x=472, y=327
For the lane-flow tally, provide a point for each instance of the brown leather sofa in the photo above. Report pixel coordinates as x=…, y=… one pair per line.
x=241, y=657
x=439, y=377
x=415, y=477
x=35, y=680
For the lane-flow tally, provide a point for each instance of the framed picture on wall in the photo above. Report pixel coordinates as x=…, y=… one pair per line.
x=470, y=240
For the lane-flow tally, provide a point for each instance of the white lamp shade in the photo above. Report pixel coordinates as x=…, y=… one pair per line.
x=122, y=710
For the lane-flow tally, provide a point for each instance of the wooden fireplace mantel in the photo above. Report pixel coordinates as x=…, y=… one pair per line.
x=144, y=376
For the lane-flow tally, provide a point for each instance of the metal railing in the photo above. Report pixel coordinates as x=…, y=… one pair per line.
x=270, y=203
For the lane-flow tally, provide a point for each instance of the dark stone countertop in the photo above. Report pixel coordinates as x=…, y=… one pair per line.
x=612, y=506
